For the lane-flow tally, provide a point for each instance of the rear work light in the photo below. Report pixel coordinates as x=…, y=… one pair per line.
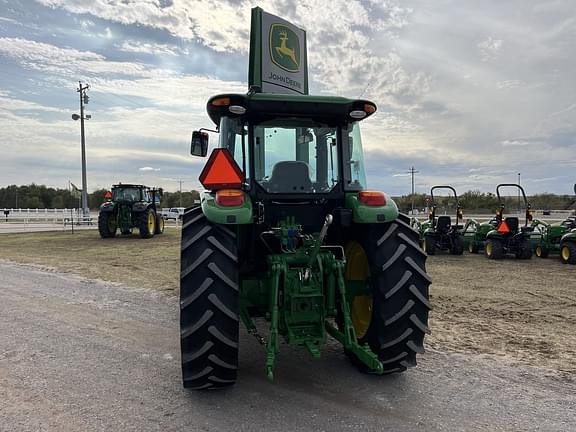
x=372, y=198
x=229, y=197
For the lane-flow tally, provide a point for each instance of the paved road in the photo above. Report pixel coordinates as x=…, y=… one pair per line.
x=81, y=355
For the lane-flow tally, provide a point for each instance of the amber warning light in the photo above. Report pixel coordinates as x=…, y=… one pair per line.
x=221, y=172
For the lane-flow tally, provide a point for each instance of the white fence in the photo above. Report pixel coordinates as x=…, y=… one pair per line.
x=41, y=215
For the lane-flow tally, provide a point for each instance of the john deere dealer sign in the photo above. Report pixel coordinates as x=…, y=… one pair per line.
x=278, y=62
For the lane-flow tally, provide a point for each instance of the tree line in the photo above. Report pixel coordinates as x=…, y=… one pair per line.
x=39, y=196
x=487, y=201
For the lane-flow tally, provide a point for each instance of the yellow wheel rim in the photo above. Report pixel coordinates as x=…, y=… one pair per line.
x=162, y=224
x=489, y=249
x=471, y=247
x=424, y=244
x=357, y=269
x=565, y=253
x=538, y=251
x=151, y=222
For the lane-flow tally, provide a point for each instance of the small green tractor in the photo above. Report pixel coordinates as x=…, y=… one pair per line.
x=131, y=206
x=288, y=238
x=502, y=235
x=557, y=238
x=439, y=233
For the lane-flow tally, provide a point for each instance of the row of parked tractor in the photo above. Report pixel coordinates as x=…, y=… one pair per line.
x=500, y=236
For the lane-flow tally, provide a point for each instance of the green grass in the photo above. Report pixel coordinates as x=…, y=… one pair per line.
x=150, y=263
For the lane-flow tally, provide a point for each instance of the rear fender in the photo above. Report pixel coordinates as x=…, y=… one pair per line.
x=569, y=236
x=108, y=207
x=361, y=213
x=218, y=214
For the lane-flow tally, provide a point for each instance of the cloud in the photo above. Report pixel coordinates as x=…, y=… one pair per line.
x=147, y=168
x=135, y=46
x=67, y=62
x=490, y=49
x=515, y=143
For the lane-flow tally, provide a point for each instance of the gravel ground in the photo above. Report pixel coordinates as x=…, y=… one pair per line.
x=82, y=355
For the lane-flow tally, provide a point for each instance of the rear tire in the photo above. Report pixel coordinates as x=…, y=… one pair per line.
x=568, y=252
x=525, y=250
x=147, y=223
x=209, y=303
x=541, y=251
x=494, y=249
x=107, y=224
x=160, y=224
x=473, y=247
x=458, y=246
x=399, y=285
x=430, y=245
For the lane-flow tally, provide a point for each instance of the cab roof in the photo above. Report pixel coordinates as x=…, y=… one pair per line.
x=262, y=105
x=128, y=185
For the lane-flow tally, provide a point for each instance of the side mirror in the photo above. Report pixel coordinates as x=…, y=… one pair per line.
x=199, y=145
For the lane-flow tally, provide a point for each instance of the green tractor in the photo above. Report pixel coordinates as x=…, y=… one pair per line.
x=557, y=238
x=288, y=237
x=439, y=233
x=131, y=206
x=507, y=236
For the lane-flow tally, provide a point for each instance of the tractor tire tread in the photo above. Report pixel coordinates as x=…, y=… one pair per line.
x=209, y=304
x=400, y=295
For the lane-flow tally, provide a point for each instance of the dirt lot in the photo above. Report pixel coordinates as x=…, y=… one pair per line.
x=523, y=311
x=150, y=263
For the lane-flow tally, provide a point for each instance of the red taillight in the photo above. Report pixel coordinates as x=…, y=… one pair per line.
x=221, y=171
x=372, y=198
x=229, y=197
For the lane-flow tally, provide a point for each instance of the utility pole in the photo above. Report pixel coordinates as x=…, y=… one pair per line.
x=412, y=171
x=180, y=190
x=83, y=100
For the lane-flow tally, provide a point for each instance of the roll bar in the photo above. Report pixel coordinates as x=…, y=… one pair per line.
x=458, y=207
x=526, y=203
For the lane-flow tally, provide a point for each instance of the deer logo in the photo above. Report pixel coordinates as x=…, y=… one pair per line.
x=285, y=48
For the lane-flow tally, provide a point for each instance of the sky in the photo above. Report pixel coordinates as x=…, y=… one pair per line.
x=470, y=93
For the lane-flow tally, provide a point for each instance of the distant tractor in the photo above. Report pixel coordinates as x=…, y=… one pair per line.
x=557, y=238
x=440, y=233
x=507, y=236
x=131, y=206
x=501, y=236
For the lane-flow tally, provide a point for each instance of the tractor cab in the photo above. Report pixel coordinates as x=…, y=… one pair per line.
x=507, y=236
x=285, y=153
x=441, y=232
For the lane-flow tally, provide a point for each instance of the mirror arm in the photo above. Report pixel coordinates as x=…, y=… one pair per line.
x=208, y=130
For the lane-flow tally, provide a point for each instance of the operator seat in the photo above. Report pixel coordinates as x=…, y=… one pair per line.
x=443, y=223
x=290, y=177
x=512, y=223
